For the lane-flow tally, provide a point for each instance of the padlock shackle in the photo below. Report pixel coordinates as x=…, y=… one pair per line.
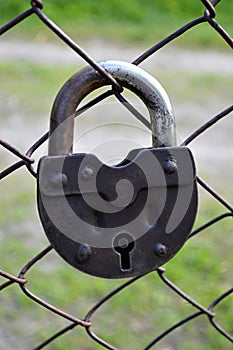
x=146, y=87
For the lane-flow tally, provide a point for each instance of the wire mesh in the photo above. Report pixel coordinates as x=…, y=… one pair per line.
x=209, y=311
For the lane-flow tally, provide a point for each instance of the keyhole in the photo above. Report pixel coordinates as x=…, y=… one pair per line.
x=123, y=244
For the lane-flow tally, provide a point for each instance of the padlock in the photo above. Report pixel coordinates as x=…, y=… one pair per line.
x=122, y=220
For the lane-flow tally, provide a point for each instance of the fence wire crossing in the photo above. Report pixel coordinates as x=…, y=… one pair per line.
x=26, y=160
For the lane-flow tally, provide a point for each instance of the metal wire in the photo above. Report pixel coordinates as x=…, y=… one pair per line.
x=26, y=160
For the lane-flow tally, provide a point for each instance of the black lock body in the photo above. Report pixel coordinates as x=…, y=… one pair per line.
x=123, y=220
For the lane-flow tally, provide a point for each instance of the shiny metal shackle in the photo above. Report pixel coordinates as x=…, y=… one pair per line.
x=145, y=86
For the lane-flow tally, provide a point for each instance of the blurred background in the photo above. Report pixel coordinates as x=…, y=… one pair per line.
x=196, y=71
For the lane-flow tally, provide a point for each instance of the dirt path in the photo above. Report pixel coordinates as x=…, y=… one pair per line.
x=177, y=58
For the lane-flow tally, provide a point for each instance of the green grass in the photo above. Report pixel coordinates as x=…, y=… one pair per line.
x=131, y=319
x=24, y=81
x=134, y=21
x=139, y=313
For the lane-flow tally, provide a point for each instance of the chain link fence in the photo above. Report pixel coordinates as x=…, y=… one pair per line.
x=210, y=311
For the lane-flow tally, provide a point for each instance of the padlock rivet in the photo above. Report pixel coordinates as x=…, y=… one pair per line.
x=160, y=250
x=58, y=180
x=87, y=172
x=170, y=166
x=83, y=254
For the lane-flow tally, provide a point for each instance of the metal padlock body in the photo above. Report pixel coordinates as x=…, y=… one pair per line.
x=158, y=224
x=117, y=221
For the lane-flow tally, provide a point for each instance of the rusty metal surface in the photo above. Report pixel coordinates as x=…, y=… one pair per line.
x=153, y=210
x=207, y=313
